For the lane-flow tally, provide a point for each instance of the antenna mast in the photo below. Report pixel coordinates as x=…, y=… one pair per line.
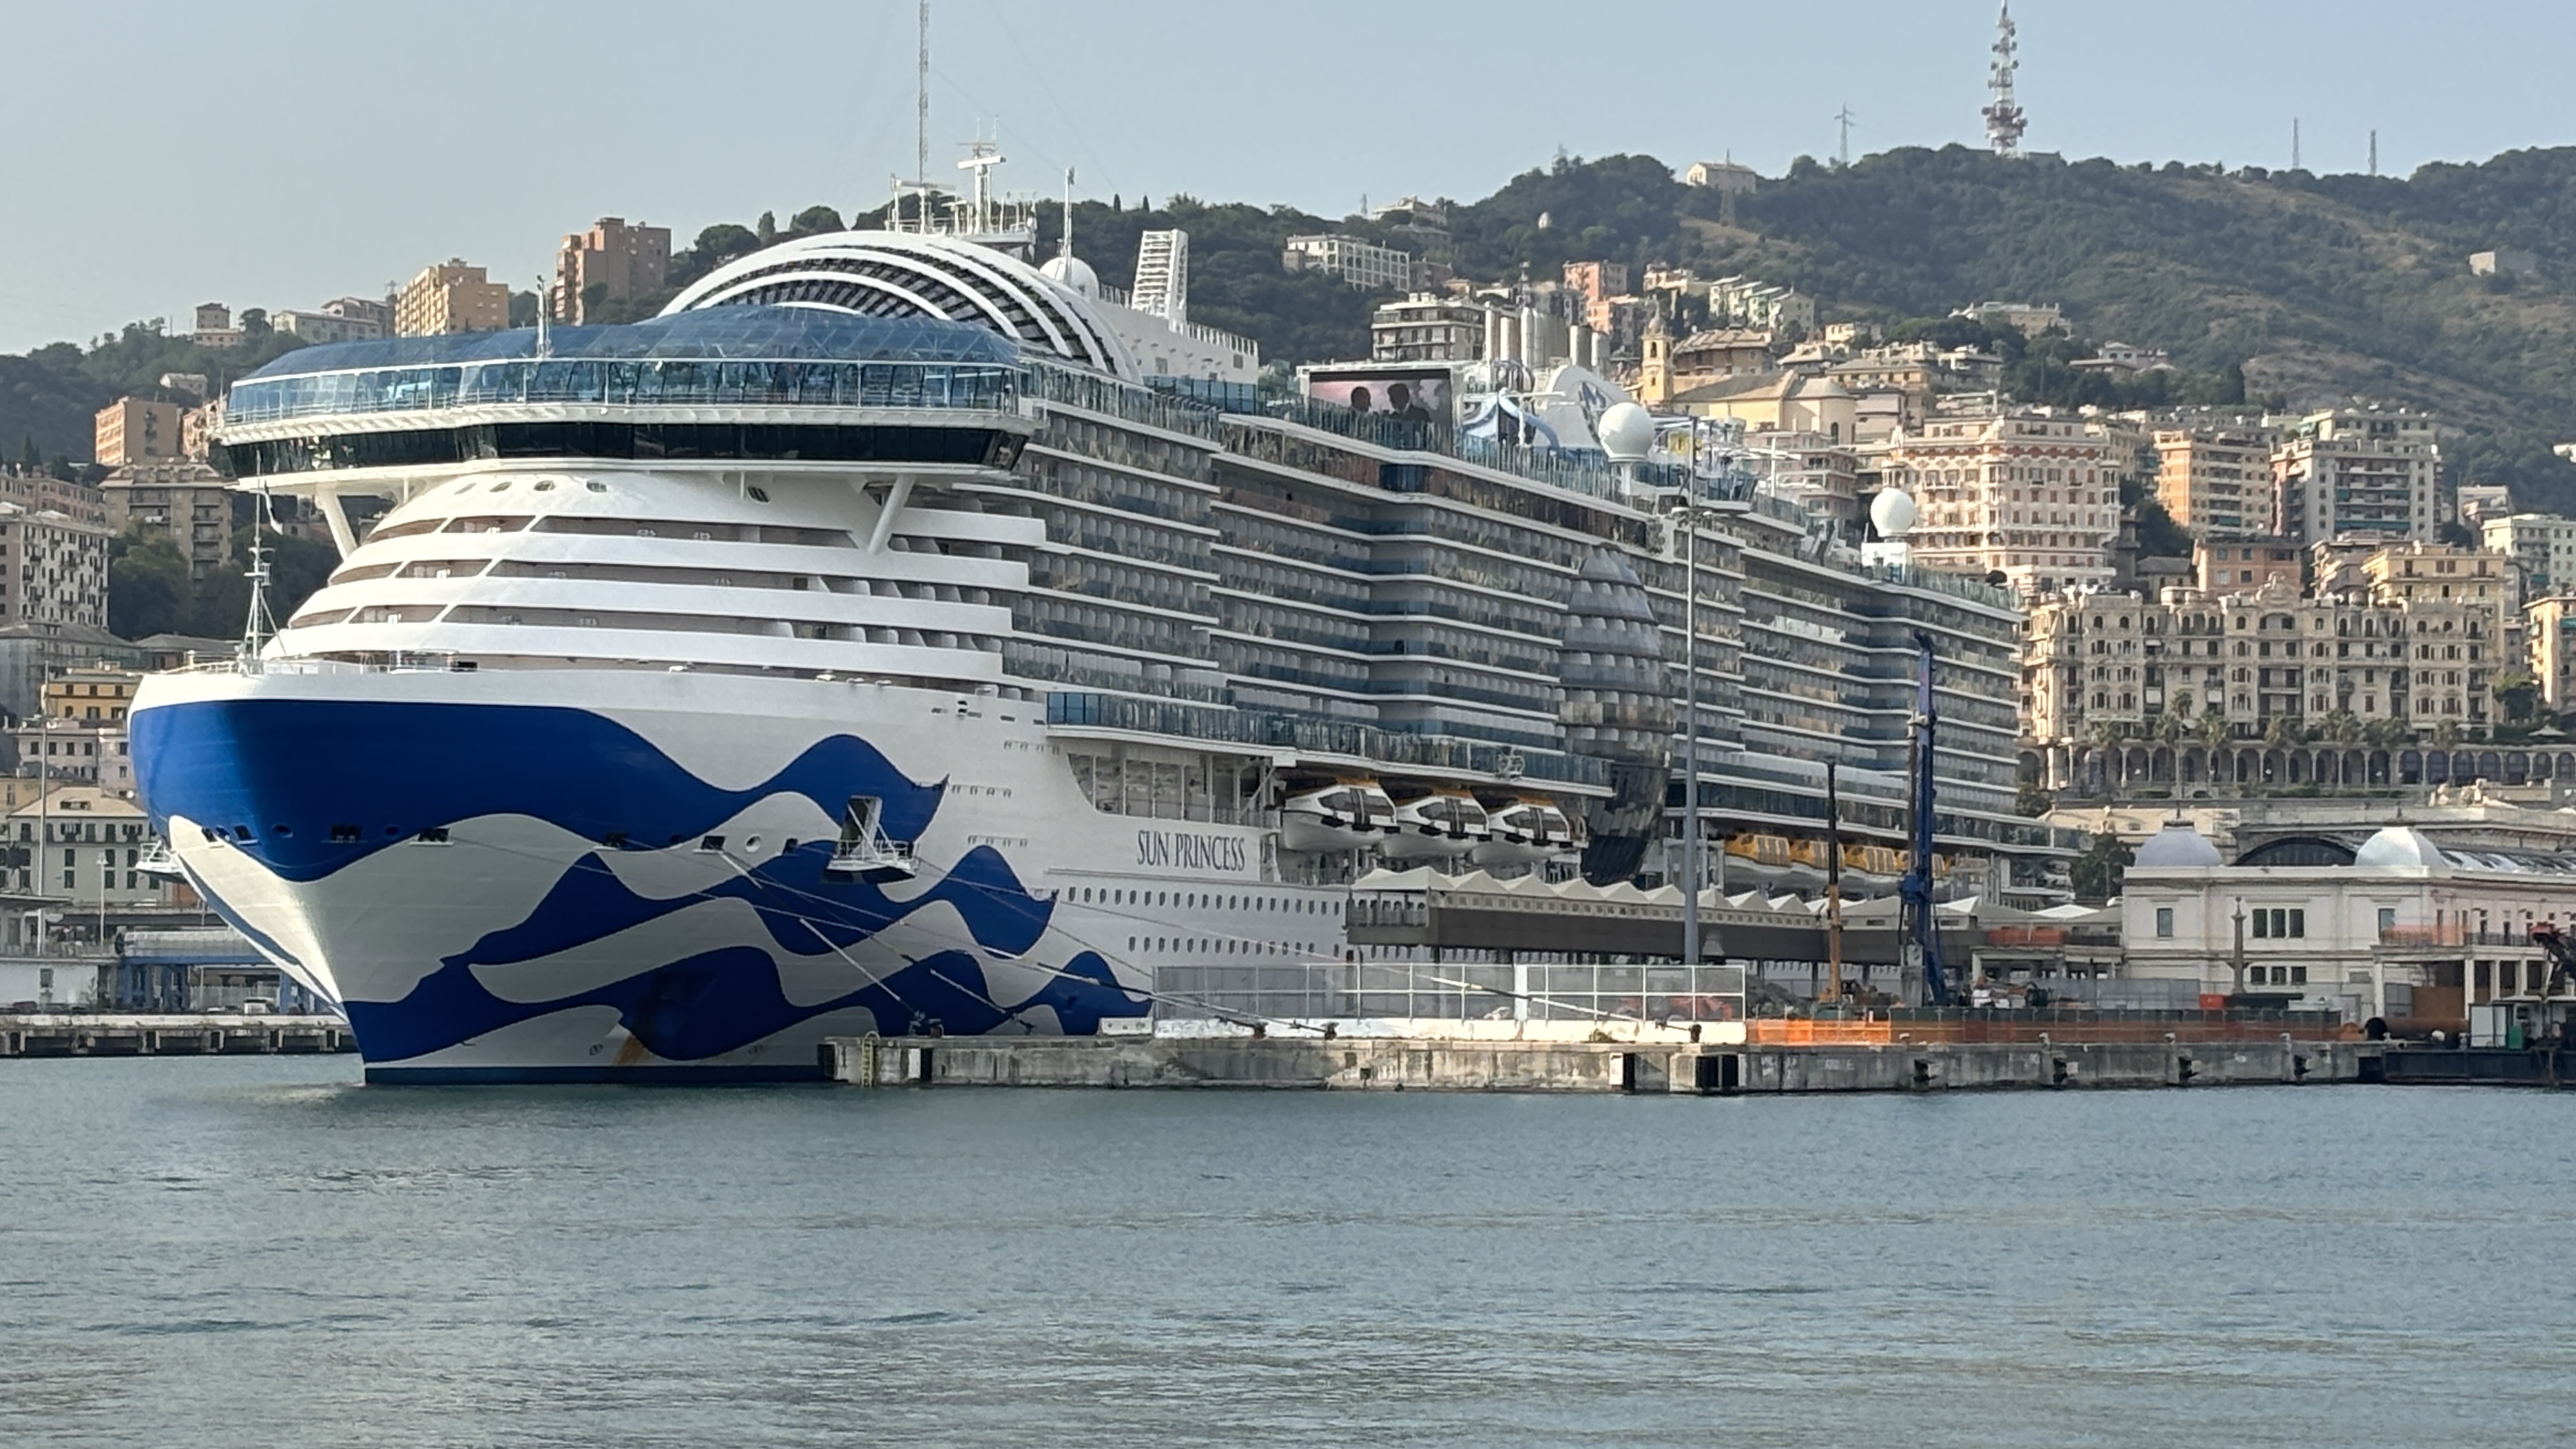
x=260, y=623
x=1064, y=245
x=2004, y=119
x=921, y=109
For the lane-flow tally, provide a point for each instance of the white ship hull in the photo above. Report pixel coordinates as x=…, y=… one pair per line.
x=709, y=941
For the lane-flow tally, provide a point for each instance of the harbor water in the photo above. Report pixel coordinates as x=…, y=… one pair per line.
x=257, y=1251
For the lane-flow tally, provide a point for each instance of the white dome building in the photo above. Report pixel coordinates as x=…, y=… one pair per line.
x=2400, y=847
x=2177, y=846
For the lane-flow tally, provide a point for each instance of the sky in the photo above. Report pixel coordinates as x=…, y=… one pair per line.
x=276, y=153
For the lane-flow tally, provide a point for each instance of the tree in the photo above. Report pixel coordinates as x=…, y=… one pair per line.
x=815, y=219
x=2171, y=726
x=148, y=590
x=31, y=461
x=2096, y=873
x=2518, y=693
x=766, y=229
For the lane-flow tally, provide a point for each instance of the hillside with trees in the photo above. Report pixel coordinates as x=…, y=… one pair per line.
x=2279, y=287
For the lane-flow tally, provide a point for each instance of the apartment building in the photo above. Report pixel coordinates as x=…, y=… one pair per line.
x=2244, y=565
x=1427, y=327
x=2549, y=646
x=2029, y=495
x=451, y=297
x=2358, y=472
x=2543, y=543
x=2419, y=642
x=2217, y=481
x=188, y=503
x=322, y=327
x=53, y=568
x=1363, y=264
x=613, y=261
x=136, y=430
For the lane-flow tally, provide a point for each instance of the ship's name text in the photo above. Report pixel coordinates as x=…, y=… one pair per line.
x=1180, y=850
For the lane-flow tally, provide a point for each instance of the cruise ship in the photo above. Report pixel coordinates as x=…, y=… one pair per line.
x=898, y=634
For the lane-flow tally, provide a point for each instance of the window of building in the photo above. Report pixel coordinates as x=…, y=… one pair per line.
x=2164, y=921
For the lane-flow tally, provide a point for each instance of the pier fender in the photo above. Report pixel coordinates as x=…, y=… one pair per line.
x=2061, y=1072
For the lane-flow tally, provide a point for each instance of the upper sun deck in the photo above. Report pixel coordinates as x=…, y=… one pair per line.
x=740, y=363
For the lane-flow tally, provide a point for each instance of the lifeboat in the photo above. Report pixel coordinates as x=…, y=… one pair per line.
x=1524, y=831
x=1344, y=815
x=1436, y=825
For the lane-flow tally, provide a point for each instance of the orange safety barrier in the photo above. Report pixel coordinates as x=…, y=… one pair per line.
x=1821, y=1033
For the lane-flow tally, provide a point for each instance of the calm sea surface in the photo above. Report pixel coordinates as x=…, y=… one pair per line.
x=259, y=1251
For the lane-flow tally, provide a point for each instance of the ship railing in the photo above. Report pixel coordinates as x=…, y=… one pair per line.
x=875, y=856
x=157, y=860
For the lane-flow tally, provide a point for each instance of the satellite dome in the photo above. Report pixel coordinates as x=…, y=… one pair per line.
x=2177, y=846
x=1627, y=433
x=1073, y=274
x=1893, y=513
x=2399, y=847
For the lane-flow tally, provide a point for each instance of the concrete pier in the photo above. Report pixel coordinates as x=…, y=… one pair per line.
x=1430, y=1064
x=108, y=1034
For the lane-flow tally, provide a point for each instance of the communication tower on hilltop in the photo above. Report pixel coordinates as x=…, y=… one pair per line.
x=2004, y=119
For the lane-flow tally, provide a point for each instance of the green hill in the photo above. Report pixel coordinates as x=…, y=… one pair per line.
x=2321, y=288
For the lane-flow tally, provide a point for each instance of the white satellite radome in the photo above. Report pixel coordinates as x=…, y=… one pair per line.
x=1627, y=433
x=1073, y=273
x=1893, y=513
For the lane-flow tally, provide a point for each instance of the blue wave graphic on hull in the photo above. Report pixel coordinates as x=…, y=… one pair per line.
x=804, y=910
x=720, y=1001
x=393, y=770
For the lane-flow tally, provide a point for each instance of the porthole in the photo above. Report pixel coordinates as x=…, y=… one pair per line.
x=595, y=486
x=546, y=486
x=758, y=494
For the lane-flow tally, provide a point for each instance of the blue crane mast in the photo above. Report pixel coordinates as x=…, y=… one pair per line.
x=1922, y=939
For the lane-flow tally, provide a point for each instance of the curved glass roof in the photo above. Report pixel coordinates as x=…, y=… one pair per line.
x=743, y=332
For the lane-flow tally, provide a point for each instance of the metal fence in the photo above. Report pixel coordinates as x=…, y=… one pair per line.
x=1452, y=991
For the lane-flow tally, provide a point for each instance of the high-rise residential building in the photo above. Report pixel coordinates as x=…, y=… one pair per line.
x=136, y=430
x=1363, y=264
x=53, y=568
x=2543, y=543
x=2550, y=645
x=2217, y=481
x=451, y=297
x=187, y=503
x=1427, y=327
x=2030, y=495
x=613, y=261
x=2358, y=472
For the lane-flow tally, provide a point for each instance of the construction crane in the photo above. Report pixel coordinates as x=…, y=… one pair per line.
x=1922, y=939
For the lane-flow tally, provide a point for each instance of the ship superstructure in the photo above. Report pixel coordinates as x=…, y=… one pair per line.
x=864, y=644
